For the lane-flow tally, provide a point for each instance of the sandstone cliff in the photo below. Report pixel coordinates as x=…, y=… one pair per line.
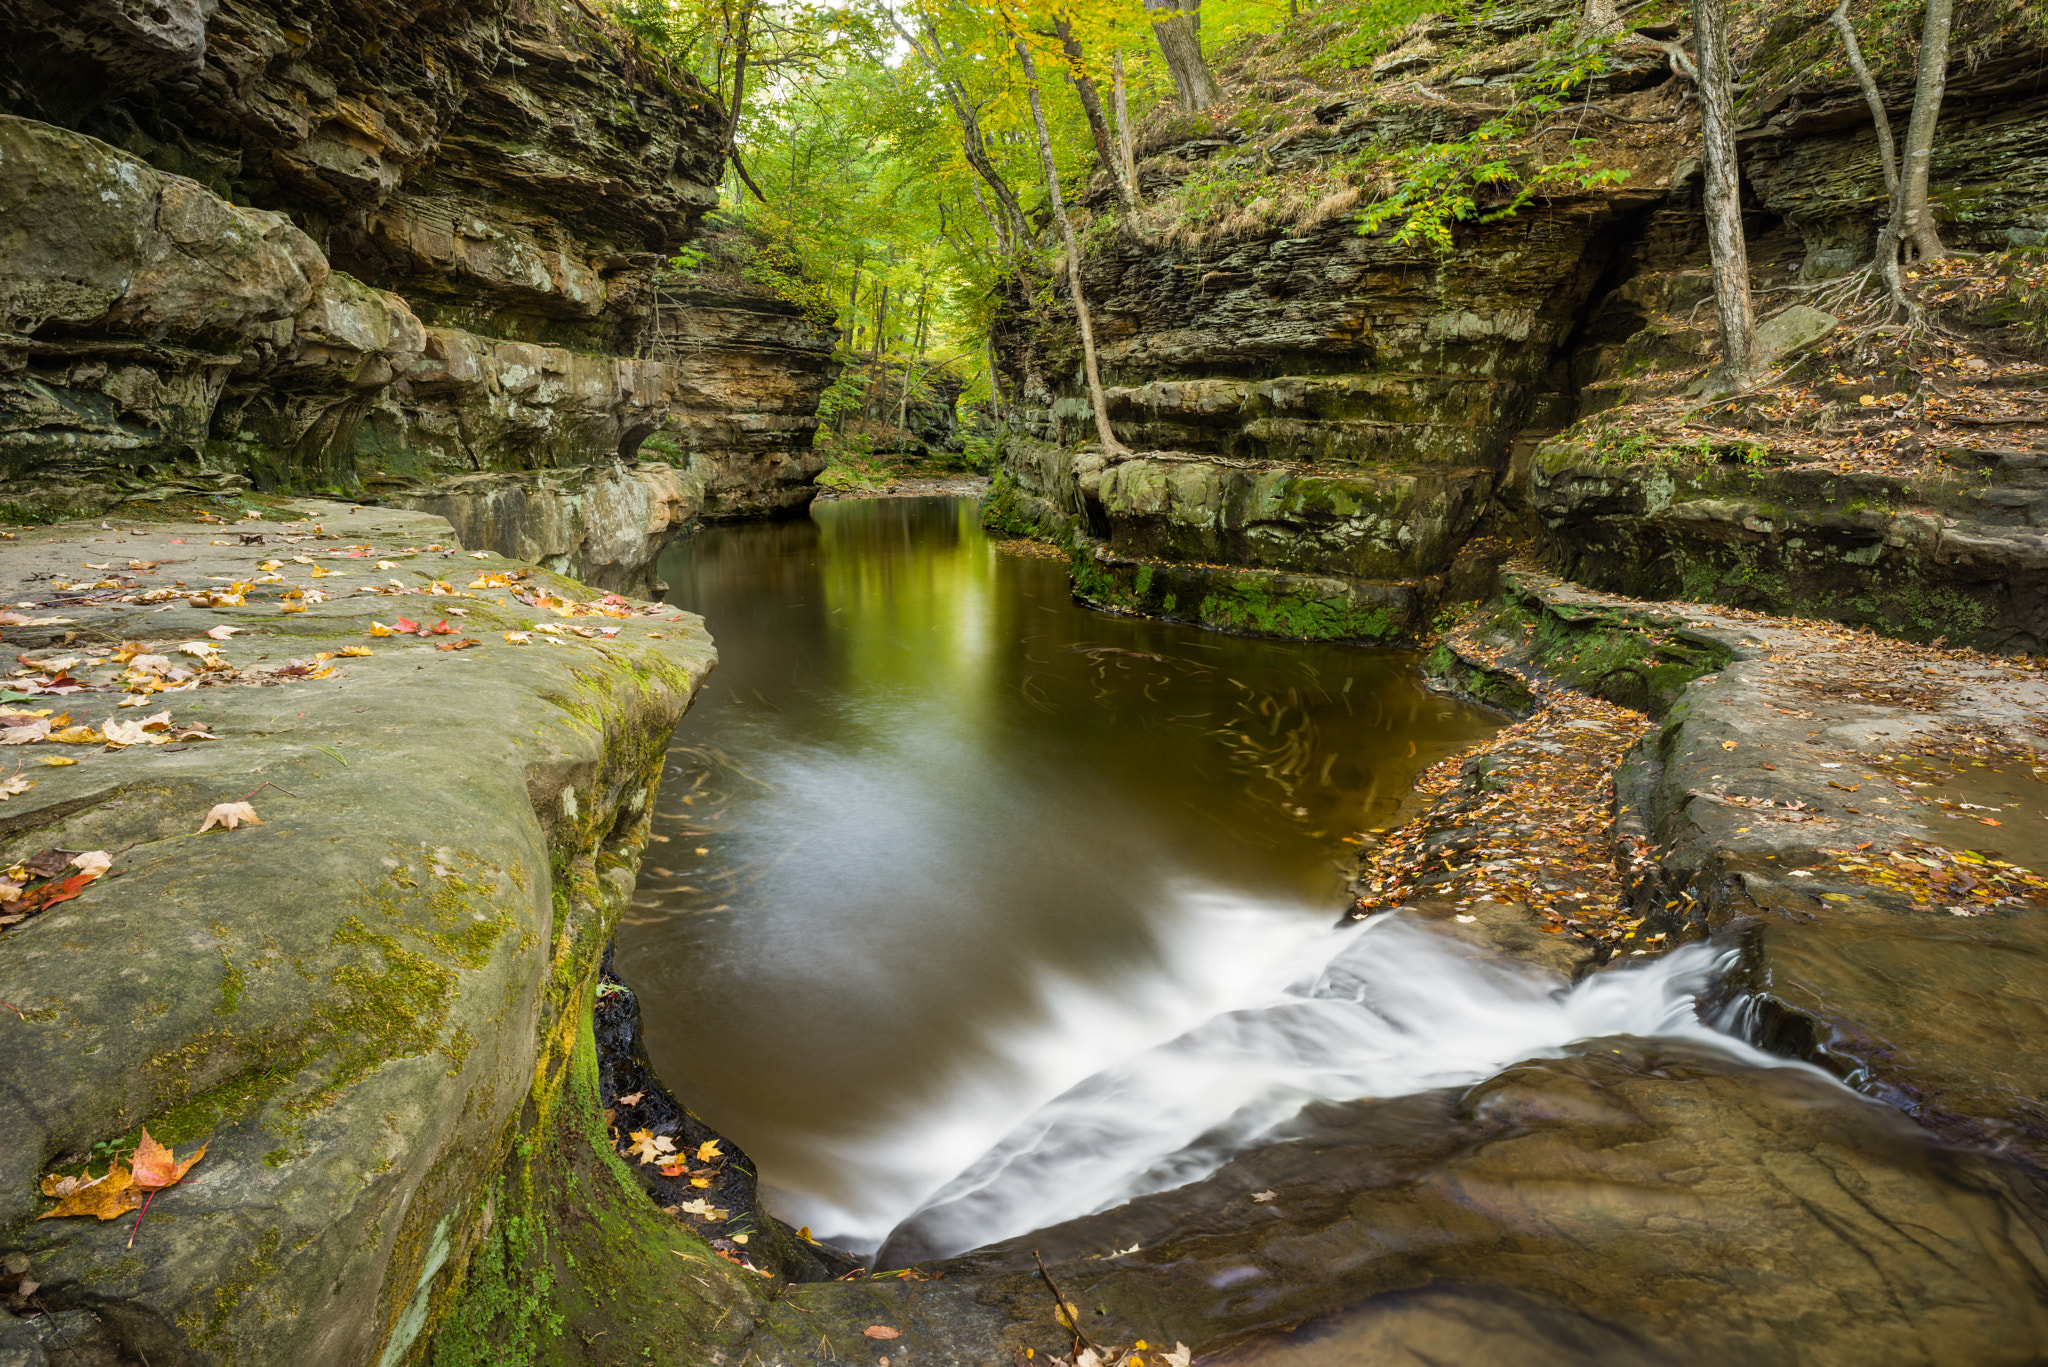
x=361, y=247
x=1322, y=420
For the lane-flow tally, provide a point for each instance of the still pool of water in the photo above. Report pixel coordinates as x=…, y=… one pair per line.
x=938, y=846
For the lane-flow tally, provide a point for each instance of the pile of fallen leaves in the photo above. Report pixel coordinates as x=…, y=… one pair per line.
x=701, y=1166
x=46, y=878
x=1524, y=818
x=1963, y=882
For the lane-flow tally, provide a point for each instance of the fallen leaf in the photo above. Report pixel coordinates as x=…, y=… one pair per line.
x=48, y=863
x=407, y=625
x=704, y=1210
x=77, y=735
x=154, y=1168
x=355, y=652
x=27, y=733
x=649, y=1147
x=518, y=638
x=93, y=863
x=231, y=815
x=14, y=786
x=1987, y=821
x=56, y=760
x=674, y=1170
x=464, y=644
x=631, y=1098
x=1727, y=745
x=882, y=1331
x=708, y=1150
x=109, y=1196
x=440, y=628
x=379, y=629
x=50, y=894
x=144, y=732
x=1264, y=1196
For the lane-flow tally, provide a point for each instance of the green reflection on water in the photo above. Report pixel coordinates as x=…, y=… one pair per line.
x=926, y=782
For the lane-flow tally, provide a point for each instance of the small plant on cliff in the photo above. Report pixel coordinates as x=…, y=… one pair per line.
x=1491, y=173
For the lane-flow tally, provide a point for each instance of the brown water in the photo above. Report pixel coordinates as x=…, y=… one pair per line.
x=941, y=844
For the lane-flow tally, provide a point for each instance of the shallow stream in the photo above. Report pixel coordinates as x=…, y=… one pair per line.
x=972, y=910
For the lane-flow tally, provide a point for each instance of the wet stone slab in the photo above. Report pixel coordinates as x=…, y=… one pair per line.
x=352, y=1001
x=1631, y=1203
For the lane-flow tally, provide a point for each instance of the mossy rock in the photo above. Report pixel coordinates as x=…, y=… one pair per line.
x=365, y=1005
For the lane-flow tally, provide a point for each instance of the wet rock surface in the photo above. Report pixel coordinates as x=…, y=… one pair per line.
x=1629, y=1203
x=1860, y=816
x=360, y=1003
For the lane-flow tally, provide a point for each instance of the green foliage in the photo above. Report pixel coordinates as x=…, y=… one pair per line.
x=508, y=1313
x=1370, y=27
x=1494, y=171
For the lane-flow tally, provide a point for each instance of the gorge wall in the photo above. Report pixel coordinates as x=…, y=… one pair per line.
x=1333, y=432
x=358, y=248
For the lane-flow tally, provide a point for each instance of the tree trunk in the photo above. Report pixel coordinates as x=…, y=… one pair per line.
x=875, y=354
x=1098, y=123
x=1181, y=43
x=1887, y=145
x=853, y=305
x=1059, y=213
x=1601, y=19
x=1126, y=144
x=1929, y=85
x=972, y=142
x=1725, y=245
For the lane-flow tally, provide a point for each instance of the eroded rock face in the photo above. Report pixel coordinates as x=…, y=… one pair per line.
x=1317, y=403
x=1422, y=385
x=1958, y=550
x=603, y=525
x=486, y=191
x=749, y=367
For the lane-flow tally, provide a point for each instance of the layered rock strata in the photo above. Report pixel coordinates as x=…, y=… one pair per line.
x=1302, y=399
x=364, y=249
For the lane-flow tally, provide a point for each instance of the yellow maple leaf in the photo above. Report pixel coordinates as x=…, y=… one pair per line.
x=708, y=1150
x=109, y=1196
x=649, y=1147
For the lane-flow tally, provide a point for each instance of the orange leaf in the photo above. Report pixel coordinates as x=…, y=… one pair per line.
x=50, y=894
x=1989, y=822
x=108, y=1197
x=464, y=644
x=156, y=1169
x=882, y=1331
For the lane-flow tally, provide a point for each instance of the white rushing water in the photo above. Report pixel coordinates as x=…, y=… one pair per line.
x=1252, y=1013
